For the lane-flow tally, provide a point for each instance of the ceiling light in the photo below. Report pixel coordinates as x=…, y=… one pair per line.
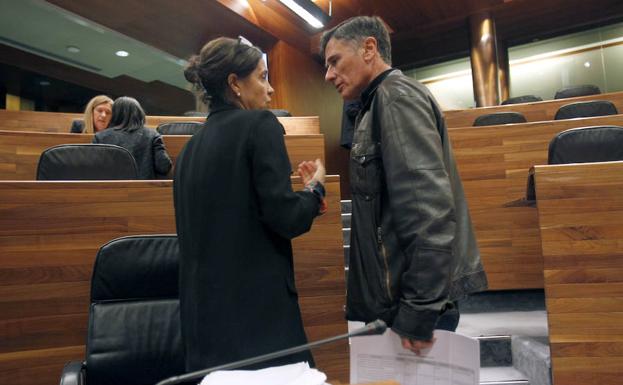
x=122, y=53
x=73, y=49
x=587, y=64
x=308, y=11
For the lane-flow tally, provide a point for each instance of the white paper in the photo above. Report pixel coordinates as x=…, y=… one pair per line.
x=293, y=374
x=454, y=359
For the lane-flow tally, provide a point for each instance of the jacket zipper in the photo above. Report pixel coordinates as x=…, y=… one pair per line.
x=379, y=234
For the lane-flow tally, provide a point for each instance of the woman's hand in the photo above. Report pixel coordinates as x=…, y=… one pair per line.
x=311, y=172
x=417, y=346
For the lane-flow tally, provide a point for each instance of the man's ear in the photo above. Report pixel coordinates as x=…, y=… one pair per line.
x=370, y=49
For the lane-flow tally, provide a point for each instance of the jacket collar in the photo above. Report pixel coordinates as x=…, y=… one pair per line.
x=368, y=94
x=222, y=107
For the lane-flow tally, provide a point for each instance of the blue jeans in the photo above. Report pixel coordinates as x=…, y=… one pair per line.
x=449, y=319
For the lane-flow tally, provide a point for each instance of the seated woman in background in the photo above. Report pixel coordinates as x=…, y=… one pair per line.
x=127, y=129
x=96, y=116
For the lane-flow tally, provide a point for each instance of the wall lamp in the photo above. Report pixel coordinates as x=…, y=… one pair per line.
x=308, y=11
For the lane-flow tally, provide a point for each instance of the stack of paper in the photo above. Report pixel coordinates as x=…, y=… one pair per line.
x=454, y=359
x=294, y=374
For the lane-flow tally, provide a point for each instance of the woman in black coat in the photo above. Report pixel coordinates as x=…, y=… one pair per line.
x=236, y=213
x=145, y=144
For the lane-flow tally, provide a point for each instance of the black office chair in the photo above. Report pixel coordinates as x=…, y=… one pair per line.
x=281, y=113
x=586, y=109
x=134, y=331
x=86, y=162
x=499, y=118
x=587, y=144
x=522, y=99
x=573, y=91
x=195, y=113
x=179, y=128
x=583, y=145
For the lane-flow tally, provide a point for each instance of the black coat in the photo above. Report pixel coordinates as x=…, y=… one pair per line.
x=145, y=145
x=236, y=213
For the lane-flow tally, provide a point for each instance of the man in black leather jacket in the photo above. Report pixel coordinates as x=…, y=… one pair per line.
x=413, y=252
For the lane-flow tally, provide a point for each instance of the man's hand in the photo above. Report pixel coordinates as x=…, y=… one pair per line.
x=417, y=346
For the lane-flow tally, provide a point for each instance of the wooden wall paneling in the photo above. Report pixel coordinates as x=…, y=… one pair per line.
x=535, y=111
x=493, y=163
x=300, y=88
x=51, y=231
x=20, y=151
x=61, y=122
x=580, y=208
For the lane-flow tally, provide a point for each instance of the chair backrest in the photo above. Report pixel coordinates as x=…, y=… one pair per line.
x=587, y=144
x=195, y=113
x=179, y=128
x=86, y=162
x=522, y=99
x=134, y=332
x=281, y=113
x=499, y=118
x=586, y=109
x=580, y=90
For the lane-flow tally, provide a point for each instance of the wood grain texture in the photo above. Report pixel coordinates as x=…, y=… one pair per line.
x=534, y=112
x=493, y=163
x=61, y=122
x=580, y=209
x=51, y=231
x=20, y=151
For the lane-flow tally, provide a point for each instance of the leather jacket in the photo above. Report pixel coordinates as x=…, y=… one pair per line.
x=412, y=247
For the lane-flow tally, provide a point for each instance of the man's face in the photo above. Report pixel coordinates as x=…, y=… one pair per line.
x=346, y=68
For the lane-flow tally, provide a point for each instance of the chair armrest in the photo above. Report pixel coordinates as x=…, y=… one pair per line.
x=73, y=373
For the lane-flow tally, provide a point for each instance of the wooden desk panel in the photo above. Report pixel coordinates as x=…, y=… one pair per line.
x=493, y=162
x=20, y=151
x=61, y=122
x=580, y=208
x=50, y=233
x=535, y=111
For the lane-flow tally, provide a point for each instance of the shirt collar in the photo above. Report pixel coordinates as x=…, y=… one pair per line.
x=368, y=93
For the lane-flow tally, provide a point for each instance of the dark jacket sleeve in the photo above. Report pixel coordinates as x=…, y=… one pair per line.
x=162, y=161
x=96, y=139
x=422, y=208
x=284, y=211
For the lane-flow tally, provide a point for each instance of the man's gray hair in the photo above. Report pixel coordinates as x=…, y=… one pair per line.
x=358, y=28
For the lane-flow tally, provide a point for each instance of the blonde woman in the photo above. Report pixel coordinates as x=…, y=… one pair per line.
x=97, y=116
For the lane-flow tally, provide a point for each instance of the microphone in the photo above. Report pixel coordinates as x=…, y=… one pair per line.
x=372, y=328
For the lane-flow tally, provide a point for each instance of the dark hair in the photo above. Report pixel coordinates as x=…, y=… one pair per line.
x=358, y=28
x=219, y=58
x=127, y=114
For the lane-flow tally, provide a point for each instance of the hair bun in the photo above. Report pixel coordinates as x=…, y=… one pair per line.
x=191, y=72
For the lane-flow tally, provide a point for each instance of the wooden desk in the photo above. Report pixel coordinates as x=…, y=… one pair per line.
x=535, y=111
x=61, y=122
x=493, y=162
x=580, y=208
x=20, y=151
x=50, y=233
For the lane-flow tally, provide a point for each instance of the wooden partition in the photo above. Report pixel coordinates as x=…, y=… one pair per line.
x=20, y=151
x=536, y=111
x=580, y=208
x=61, y=122
x=493, y=162
x=51, y=231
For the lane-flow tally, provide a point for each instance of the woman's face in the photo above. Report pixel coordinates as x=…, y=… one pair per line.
x=101, y=116
x=255, y=90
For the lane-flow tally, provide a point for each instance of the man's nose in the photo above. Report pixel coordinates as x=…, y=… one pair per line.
x=329, y=75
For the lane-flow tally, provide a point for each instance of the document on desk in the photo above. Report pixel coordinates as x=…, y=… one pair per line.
x=454, y=359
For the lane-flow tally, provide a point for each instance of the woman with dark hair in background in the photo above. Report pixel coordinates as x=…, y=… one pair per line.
x=127, y=129
x=97, y=115
x=236, y=213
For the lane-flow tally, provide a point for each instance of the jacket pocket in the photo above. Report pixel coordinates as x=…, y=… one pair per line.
x=366, y=170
